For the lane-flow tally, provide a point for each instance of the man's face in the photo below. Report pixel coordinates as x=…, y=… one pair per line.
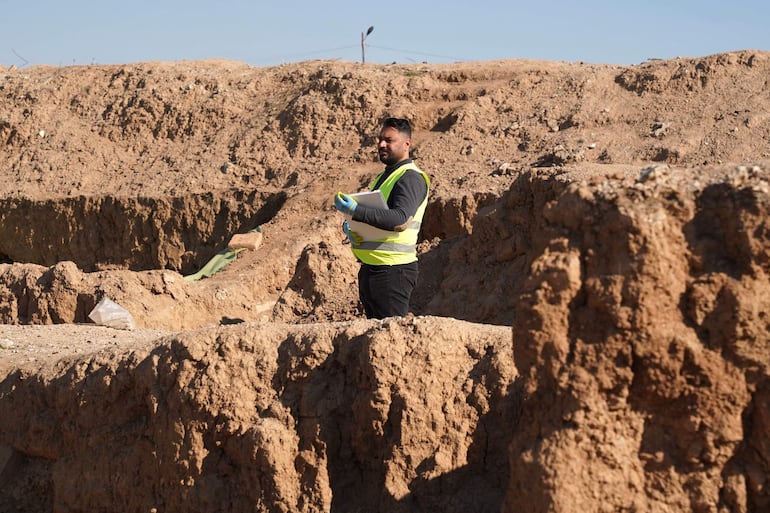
x=393, y=146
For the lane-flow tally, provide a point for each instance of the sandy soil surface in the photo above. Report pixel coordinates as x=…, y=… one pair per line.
x=32, y=347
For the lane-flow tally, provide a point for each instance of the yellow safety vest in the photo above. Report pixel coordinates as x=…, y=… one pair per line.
x=396, y=247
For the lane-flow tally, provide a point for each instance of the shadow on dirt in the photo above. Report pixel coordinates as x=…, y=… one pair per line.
x=179, y=233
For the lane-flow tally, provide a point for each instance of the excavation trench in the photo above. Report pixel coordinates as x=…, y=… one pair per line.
x=107, y=232
x=70, y=241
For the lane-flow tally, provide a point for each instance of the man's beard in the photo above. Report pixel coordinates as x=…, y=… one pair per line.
x=388, y=159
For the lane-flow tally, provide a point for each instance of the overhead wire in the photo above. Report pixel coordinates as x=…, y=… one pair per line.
x=348, y=47
x=414, y=52
x=317, y=52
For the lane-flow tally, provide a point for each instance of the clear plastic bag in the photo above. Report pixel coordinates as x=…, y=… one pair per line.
x=108, y=313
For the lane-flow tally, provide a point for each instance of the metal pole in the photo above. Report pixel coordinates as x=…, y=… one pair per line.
x=363, y=44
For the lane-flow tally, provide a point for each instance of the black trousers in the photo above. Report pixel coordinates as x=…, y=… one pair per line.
x=385, y=290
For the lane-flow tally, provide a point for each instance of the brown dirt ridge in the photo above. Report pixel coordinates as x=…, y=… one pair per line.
x=588, y=332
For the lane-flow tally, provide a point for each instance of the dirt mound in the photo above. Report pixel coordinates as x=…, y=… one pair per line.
x=602, y=228
x=272, y=417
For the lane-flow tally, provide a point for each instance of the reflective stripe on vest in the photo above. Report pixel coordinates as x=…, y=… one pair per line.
x=398, y=247
x=386, y=246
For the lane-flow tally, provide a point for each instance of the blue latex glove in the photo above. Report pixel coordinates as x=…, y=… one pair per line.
x=345, y=204
x=353, y=237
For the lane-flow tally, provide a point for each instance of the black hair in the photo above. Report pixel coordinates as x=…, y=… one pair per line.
x=402, y=125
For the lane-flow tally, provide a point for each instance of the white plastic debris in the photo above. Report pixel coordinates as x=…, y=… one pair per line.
x=108, y=313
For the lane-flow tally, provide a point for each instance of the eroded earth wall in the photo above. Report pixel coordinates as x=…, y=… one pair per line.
x=400, y=415
x=641, y=336
x=633, y=377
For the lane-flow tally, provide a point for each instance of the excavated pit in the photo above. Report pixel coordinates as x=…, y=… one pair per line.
x=179, y=233
x=587, y=336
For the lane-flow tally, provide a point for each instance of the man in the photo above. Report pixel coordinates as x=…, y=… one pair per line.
x=389, y=262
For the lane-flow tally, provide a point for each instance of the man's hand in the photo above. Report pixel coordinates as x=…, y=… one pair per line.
x=345, y=204
x=353, y=237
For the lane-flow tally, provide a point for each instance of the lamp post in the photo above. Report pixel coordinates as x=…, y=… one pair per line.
x=363, y=46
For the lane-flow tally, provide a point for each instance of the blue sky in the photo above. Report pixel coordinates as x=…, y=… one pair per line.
x=268, y=33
